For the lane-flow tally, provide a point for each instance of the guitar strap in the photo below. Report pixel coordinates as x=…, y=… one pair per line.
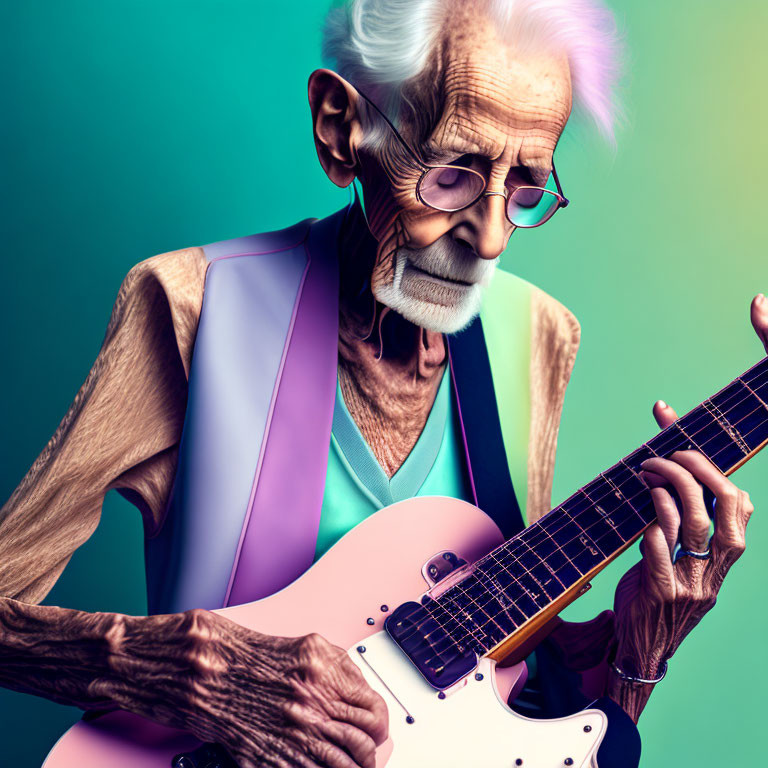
x=244, y=512
x=479, y=417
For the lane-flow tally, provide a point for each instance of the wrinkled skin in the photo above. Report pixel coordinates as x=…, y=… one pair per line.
x=284, y=702
x=479, y=101
x=271, y=701
x=502, y=112
x=659, y=602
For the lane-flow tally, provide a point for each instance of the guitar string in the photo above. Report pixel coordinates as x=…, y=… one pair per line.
x=494, y=615
x=697, y=413
x=502, y=568
x=700, y=411
x=481, y=626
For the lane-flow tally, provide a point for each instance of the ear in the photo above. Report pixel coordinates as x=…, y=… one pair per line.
x=336, y=125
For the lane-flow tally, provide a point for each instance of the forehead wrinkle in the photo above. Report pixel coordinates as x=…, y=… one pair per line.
x=481, y=111
x=487, y=137
x=487, y=87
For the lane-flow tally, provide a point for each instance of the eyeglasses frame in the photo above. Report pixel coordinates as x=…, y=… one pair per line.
x=562, y=200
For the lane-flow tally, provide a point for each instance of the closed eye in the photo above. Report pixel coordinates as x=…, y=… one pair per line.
x=522, y=176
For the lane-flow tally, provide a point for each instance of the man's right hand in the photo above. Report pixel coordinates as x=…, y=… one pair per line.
x=268, y=700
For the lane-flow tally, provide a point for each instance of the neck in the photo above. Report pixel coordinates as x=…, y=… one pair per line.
x=389, y=368
x=385, y=335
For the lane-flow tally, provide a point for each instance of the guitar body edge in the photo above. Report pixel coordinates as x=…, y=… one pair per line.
x=374, y=568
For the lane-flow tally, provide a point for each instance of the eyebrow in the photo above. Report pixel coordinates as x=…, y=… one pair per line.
x=434, y=154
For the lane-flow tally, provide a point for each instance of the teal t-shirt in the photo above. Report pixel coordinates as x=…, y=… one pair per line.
x=356, y=486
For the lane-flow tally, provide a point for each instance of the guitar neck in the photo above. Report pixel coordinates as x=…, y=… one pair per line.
x=519, y=586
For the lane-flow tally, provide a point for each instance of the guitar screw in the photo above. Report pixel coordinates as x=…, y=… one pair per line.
x=410, y=720
x=441, y=695
x=433, y=570
x=479, y=676
x=370, y=622
x=361, y=649
x=384, y=608
x=568, y=761
x=587, y=728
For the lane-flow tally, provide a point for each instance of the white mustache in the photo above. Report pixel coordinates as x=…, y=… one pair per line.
x=448, y=259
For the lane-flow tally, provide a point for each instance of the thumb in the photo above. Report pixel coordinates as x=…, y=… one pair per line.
x=758, y=312
x=663, y=414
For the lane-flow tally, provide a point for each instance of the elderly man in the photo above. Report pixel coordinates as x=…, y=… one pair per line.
x=334, y=367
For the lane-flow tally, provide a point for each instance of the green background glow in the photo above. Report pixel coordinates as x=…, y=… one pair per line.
x=133, y=127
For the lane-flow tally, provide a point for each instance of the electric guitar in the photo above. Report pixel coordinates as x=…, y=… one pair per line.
x=428, y=598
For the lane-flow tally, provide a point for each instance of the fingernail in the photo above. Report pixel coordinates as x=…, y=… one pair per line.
x=760, y=298
x=661, y=404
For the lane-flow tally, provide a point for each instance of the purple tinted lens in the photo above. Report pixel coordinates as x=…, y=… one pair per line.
x=528, y=207
x=450, y=188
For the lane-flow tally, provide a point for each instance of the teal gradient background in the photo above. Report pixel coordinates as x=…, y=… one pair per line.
x=134, y=127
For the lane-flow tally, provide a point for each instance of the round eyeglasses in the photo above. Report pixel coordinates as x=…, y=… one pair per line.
x=453, y=187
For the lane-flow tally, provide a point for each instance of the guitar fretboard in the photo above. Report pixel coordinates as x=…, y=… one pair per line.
x=531, y=570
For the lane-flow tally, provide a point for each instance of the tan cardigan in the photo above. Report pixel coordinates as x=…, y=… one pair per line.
x=124, y=426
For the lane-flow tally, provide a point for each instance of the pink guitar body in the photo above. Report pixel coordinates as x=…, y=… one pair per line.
x=380, y=564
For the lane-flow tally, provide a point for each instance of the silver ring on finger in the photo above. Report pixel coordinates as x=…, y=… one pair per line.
x=680, y=552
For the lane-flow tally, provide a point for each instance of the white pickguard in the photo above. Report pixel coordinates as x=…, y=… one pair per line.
x=471, y=727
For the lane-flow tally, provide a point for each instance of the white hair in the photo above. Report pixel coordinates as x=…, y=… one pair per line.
x=377, y=45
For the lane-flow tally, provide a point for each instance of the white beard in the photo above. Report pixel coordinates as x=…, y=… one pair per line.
x=448, y=297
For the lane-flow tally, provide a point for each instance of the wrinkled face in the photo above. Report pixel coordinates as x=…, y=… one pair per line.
x=479, y=105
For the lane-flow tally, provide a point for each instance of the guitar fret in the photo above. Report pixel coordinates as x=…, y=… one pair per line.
x=618, y=491
x=691, y=441
x=738, y=378
x=726, y=425
x=757, y=379
x=503, y=630
x=542, y=564
x=717, y=445
x=508, y=603
x=473, y=632
x=528, y=572
x=553, y=546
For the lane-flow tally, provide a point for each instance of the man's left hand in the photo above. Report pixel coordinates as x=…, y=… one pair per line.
x=660, y=600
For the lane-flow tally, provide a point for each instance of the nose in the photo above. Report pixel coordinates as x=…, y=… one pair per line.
x=484, y=226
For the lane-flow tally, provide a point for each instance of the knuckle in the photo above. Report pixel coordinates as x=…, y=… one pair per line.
x=737, y=545
x=292, y=710
x=700, y=527
x=730, y=495
x=313, y=652
x=381, y=719
x=314, y=643
x=198, y=624
x=367, y=748
x=705, y=600
x=343, y=711
x=201, y=653
x=322, y=750
x=350, y=669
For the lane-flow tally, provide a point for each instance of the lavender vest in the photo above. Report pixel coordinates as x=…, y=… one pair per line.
x=244, y=512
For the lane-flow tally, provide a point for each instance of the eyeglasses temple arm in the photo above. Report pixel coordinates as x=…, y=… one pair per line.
x=559, y=188
x=395, y=131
